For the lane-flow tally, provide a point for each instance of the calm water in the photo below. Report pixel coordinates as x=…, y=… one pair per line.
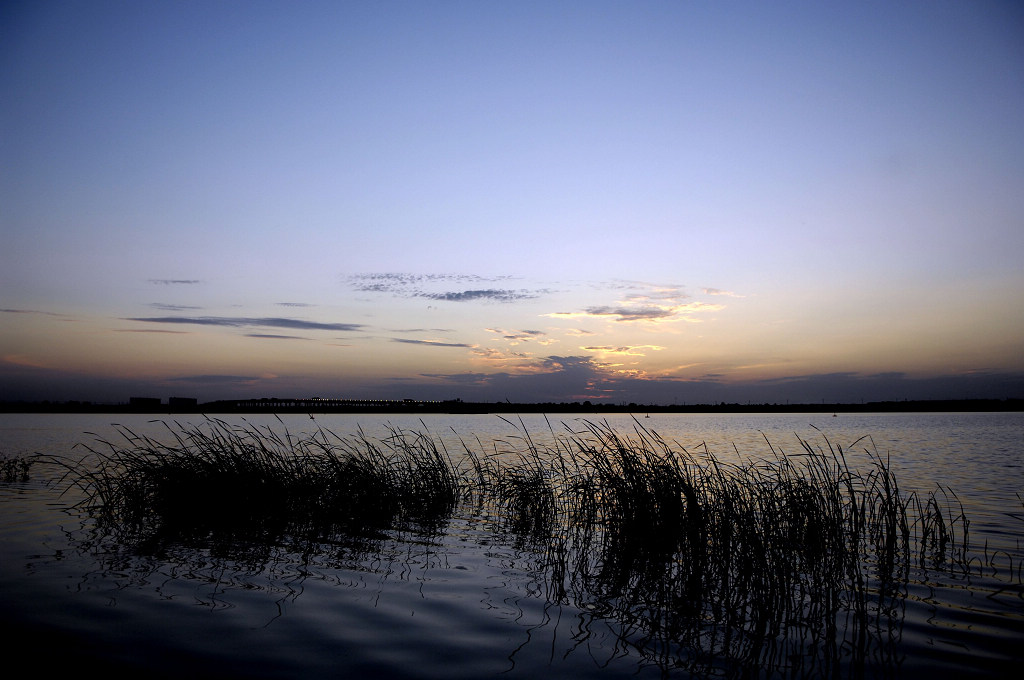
x=472, y=602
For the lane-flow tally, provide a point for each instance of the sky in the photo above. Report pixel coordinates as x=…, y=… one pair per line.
x=652, y=202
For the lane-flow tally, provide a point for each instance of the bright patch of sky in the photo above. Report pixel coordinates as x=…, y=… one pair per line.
x=649, y=201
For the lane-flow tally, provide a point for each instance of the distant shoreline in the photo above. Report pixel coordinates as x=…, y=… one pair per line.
x=332, y=406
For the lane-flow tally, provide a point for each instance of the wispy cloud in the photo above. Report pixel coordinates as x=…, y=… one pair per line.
x=294, y=304
x=241, y=322
x=642, y=291
x=150, y=330
x=439, y=287
x=172, y=308
x=640, y=302
x=621, y=313
x=628, y=350
x=383, y=282
x=213, y=379
x=517, y=336
x=632, y=313
x=175, y=282
x=271, y=336
x=641, y=313
x=494, y=294
x=499, y=356
x=718, y=291
x=29, y=311
x=432, y=343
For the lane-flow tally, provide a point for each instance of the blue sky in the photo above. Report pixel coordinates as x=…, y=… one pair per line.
x=658, y=202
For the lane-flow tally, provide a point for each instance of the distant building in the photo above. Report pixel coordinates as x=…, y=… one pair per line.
x=182, y=402
x=144, y=401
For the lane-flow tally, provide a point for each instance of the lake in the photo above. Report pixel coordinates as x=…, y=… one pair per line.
x=474, y=598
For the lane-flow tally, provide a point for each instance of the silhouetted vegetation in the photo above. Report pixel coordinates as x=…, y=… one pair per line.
x=217, y=480
x=796, y=563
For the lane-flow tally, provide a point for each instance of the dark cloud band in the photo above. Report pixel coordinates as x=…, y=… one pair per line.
x=495, y=294
x=432, y=343
x=241, y=322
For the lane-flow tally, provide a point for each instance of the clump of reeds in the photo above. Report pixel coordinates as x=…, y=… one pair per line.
x=694, y=558
x=15, y=468
x=687, y=551
x=219, y=478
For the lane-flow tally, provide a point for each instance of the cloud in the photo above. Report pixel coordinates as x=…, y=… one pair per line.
x=432, y=343
x=492, y=355
x=466, y=378
x=631, y=313
x=718, y=291
x=652, y=292
x=172, y=308
x=628, y=350
x=438, y=287
x=240, y=322
x=560, y=363
x=271, y=336
x=150, y=330
x=294, y=304
x=817, y=377
x=409, y=285
x=641, y=302
x=386, y=281
x=175, y=282
x=575, y=378
x=517, y=336
x=215, y=379
x=551, y=378
x=497, y=295
x=652, y=313
x=29, y=311
x=620, y=313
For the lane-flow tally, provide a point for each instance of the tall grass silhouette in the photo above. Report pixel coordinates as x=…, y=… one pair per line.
x=793, y=563
x=220, y=479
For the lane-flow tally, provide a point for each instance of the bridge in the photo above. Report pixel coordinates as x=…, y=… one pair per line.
x=313, y=404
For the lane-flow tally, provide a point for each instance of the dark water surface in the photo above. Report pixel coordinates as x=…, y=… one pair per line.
x=470, y=600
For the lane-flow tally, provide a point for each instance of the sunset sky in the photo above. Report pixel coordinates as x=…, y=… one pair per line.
x=652, y=202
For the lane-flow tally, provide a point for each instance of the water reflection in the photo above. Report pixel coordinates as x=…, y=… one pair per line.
x=613, y=607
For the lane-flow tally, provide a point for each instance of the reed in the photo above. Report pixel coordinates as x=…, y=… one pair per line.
x=695, y=559
x=217, y=478
x=755, y=561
